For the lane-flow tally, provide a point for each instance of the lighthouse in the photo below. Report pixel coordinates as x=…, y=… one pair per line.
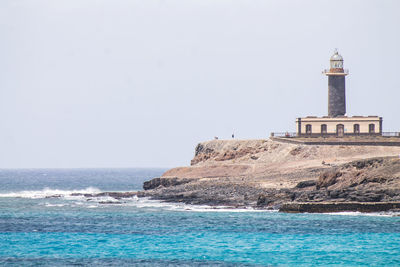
x=337, y=123
x=336, y=86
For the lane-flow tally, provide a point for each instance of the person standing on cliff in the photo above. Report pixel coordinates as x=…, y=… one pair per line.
x=233, y=135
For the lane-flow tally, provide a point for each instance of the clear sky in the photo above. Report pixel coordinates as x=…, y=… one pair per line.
x=125, y=83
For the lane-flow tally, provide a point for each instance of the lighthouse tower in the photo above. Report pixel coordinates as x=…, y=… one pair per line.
x=336, y=86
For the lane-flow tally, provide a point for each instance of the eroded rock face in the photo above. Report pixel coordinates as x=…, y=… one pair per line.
x=228, y=150
x=367, y=180
x=362, y=164
x=328, y=178
x=164, y=182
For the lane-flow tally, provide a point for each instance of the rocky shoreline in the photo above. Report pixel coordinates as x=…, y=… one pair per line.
x=265, y=174
x=367, y=193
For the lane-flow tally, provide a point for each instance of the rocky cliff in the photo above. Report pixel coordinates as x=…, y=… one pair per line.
x=267, y=174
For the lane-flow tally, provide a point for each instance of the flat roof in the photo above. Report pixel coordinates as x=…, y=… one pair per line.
x=341, y=118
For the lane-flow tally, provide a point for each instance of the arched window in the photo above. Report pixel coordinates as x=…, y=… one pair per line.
x=308, y=129
x=371, y=128
x=356, y=128
x=340, y=130
x=323, y=129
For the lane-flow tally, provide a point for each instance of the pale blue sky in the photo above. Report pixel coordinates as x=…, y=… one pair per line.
x=124, y=83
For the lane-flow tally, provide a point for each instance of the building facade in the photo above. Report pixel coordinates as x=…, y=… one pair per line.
x=339, y=126
x=337, y=123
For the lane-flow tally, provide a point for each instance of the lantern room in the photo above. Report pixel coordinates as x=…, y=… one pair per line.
x=336, y=62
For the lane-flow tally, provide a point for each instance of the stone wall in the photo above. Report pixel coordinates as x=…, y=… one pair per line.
x=335, y=143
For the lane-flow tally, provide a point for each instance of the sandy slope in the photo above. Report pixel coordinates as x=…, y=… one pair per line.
x=258, y=160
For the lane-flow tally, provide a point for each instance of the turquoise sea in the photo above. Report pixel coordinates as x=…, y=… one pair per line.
x=44, y=223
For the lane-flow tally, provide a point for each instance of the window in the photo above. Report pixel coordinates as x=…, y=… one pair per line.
x=308, y=129
x=371, y=128
x=356, y=128
x=323, y=129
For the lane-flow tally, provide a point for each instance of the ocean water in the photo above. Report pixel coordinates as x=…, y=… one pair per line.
x=43, y=223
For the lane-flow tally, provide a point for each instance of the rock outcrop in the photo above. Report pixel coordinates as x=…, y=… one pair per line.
x=164, y=182
x=268, y=174
x=339, y=207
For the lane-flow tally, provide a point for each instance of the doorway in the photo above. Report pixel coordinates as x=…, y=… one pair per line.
x=340, y=130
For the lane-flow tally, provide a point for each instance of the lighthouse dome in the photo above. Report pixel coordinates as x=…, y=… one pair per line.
x=336, y=56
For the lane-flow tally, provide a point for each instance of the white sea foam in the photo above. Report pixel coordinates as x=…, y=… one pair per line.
x=357, y=213
x=147, y=203
x=48, y=192
x=79, y=200
x=54, y=205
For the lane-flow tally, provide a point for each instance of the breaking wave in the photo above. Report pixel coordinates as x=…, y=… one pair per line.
x=89, y=198
x=171, y=206
x=49, y=192
x=357, y=213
